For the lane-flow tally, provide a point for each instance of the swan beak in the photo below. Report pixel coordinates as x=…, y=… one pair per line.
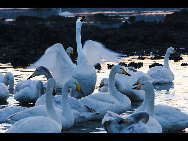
x=72, y=51
x=174, y=51
x=79, y=89
x=137, y=82
x=138, y=87
x=101, y=84
x=33, y=75
x=54, y=92
x=124, y=72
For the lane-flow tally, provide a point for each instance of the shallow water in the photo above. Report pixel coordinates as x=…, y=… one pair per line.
x=174, y=94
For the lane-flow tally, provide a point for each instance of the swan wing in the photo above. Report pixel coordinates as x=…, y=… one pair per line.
x=56, y=60
x=95, y=52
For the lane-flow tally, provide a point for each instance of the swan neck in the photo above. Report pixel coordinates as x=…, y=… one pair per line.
x=149, y=98
x=48, y=75
x=81, y=55
x=49, y=105
x=9, y=80
x=166, y=59
x=111, y=82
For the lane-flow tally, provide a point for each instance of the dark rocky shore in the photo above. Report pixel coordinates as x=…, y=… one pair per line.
x=24, y=40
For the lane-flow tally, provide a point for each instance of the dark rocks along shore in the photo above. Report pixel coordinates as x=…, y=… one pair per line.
x=24, y=40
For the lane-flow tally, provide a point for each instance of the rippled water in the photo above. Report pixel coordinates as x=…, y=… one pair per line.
x=174, y=94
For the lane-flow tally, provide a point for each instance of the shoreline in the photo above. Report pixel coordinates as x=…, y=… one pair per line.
x=24, y=40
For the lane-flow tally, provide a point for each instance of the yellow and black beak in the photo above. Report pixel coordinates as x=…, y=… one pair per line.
x=101, y=84
x=138, y=87
x=137, y=82
x=124, y=72
x=72, y=51
x=174, y=51
x=33, y=75
x=79, y=89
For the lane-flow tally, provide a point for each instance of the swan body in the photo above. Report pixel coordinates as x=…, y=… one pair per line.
x=52, y=122
x=62, y=68
x=28, y=91
x=5, y=80
x=113, y=100
x=135, y=123
x=170, y=118
x=148, y=106
x=162, y=74
x=8, y=111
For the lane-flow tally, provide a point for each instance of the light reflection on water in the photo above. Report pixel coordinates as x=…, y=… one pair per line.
x=174, y=94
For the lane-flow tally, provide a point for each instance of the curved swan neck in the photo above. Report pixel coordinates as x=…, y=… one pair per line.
x=166, y=59
x=149, y=98
x=81, y=55
x=111, y=82
x=47, y=74
x=49, y=104
x=9, y=80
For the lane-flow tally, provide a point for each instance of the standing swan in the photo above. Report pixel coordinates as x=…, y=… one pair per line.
x=109, y=101
x=162, y=74
x=170, y=118
x=62, y=68
x=52, y=123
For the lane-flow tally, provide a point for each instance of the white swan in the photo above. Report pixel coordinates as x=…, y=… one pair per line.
x=170, y=118
x=124, y=84
x=8, y=111
x=148, y=106
x=162, y=74
x=28, y=91
x=109, y=101
x=134, y=123
x=80, y=112
x=53, y=122
x=62, y=68
x=5, y=80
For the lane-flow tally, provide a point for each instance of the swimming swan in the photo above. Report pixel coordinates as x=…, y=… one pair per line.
x=62, y=68
x=162, y=74
x=53, y=123
x=124, y=84
x=5, y=80
x=148, y=106
x=28, y=91
x=134, y=123
x=170, y=118
x=109, y=101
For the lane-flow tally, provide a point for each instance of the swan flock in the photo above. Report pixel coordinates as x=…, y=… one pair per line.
x=68, y=98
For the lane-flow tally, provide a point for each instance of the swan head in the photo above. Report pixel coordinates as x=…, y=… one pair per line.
x=141, y=79
x=171, y=50
x=79, y=23
x=72, y=83
x=146, y=85
x=120, y=69
x=70, y=50
x=104, y=82
x=41, y=70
